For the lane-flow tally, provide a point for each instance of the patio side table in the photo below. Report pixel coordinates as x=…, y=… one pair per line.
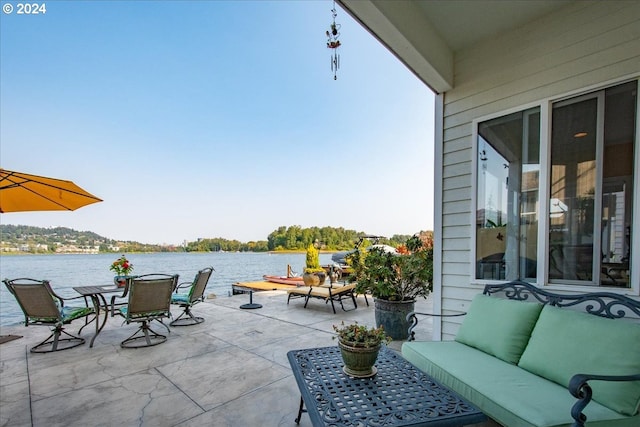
x=398, y=395
x=96, y=293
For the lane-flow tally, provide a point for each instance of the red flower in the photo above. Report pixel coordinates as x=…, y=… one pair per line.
x=121, y=266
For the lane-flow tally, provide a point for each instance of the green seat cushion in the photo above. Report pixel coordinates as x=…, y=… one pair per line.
x=566, y=342
x=499, y=327
x=124, y=312
x=71, y=313
x=508, y=394
x=180, y=298
x=67, y=314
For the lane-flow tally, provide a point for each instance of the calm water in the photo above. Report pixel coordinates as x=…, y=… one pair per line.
x=66, y=271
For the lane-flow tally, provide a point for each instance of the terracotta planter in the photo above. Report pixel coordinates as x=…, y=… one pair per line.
x=314, y=279
x=359, y=361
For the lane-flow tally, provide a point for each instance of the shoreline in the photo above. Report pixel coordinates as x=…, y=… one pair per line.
x=281, y=252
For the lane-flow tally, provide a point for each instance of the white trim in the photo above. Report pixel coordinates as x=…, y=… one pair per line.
x=597, y=206
x=518, y=109
x=474, y=203
x=634, y=262
x=544, y=194
x=437, y=217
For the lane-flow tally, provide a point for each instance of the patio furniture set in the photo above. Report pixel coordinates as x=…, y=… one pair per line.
x=521, y=359
x=149, y=298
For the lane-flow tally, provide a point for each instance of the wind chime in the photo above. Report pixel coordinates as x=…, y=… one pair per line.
x=333, y=43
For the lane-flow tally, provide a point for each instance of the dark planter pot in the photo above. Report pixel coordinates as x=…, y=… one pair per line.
x=314, y=279
x=392, y=316
x=359, y=361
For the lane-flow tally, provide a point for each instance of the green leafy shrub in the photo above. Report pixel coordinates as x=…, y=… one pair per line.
x=400, y=276
x=313, y=260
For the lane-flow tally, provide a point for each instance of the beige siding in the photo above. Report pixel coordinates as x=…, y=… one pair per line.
x=583, y=45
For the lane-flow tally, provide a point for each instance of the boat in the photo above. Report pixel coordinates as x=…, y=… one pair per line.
x=290, y=279
x=284, y=280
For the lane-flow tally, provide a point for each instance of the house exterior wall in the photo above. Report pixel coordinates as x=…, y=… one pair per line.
x=582, y=46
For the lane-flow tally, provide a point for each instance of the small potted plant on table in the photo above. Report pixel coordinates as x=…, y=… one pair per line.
x=359, y=347
x=314, y=275
x=122, y=267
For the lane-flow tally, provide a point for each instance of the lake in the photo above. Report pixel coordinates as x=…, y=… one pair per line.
x=66, y=271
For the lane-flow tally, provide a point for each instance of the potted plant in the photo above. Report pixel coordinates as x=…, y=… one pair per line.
x=122, y=267
x=395, y=280
x=313, y=275
x=359, y=347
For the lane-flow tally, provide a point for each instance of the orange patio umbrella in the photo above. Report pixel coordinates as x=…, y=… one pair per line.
x=21, y=192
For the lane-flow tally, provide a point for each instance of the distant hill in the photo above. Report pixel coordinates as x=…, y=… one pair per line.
x=26, y=238
x=18, y=233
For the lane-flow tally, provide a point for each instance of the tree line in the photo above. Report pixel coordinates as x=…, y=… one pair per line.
x=291, y=238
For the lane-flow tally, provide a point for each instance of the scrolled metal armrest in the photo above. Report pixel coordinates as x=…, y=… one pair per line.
x=112, y=305
x=579, y=388
x=413, y=319
x=183, y=285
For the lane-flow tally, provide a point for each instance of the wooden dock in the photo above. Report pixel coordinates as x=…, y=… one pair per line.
x=245, y=287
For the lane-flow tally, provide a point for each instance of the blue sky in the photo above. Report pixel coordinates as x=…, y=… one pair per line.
x=211, y=119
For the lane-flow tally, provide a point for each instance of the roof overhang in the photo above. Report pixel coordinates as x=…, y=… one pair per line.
x=426, y=34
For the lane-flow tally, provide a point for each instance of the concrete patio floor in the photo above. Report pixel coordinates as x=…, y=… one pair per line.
x=231, y=370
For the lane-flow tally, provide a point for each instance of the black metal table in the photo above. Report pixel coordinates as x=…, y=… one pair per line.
x=96, y=293
x=398, y=395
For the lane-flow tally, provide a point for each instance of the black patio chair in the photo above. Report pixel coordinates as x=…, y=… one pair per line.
x=191, y=298
x=42, y=306
x=149, y=300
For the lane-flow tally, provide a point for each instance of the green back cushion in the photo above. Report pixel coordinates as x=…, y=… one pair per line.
x=499, y=327
x=565, y=342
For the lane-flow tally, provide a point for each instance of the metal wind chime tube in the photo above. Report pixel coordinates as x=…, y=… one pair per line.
x=333, y=43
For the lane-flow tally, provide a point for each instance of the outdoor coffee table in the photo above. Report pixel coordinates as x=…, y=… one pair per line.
x=398, y=395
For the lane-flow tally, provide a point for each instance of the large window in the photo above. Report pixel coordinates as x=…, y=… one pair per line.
x=589, y=175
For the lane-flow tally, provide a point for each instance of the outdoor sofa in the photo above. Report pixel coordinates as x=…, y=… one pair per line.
x=543, y=359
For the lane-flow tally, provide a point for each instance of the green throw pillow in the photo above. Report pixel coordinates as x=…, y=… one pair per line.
x=499, y=327
x=566, y=342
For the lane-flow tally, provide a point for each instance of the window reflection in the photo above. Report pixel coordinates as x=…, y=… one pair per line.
x=507, y=196
x=591, y=188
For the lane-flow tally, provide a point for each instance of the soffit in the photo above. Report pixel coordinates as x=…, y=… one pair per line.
x=425, y=34
x=463, y=23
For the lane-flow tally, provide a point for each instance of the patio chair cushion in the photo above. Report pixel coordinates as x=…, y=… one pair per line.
x=504, y=336
x=180, y=298
x=125, y=310
x=67, y=313
x=505, y=392
x=71, y=313
x=561, y=345
x=327, y=291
